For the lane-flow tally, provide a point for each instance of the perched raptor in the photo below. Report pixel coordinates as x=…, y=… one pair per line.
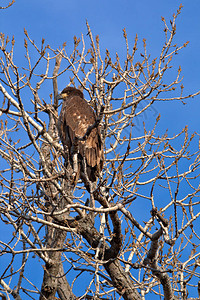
x=75, y=117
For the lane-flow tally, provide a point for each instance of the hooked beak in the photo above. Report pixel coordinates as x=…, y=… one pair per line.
x=59, y=96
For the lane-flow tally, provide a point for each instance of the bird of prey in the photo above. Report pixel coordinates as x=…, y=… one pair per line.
x=75, y=117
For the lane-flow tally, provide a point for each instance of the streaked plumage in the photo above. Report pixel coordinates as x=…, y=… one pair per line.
x=75, y=117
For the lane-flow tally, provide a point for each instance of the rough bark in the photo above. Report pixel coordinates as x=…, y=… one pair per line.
x=53, y=279
x=51, y=270
x=120, y=279
x=63, y=288
x=151, y=260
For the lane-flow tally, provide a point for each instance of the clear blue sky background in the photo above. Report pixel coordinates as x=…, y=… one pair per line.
x=59, y=20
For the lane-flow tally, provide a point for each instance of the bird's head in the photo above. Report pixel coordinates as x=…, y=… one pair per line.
x=69, y=92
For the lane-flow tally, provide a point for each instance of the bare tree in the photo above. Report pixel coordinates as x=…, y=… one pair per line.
x=8, y=5
x=114, y=249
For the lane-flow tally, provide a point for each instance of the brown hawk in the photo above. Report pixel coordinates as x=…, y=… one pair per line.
x=75, y=117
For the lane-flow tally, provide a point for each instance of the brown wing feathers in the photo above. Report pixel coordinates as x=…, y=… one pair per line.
x=75, y=118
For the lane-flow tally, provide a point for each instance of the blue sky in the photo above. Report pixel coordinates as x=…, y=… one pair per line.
x=58, y=21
